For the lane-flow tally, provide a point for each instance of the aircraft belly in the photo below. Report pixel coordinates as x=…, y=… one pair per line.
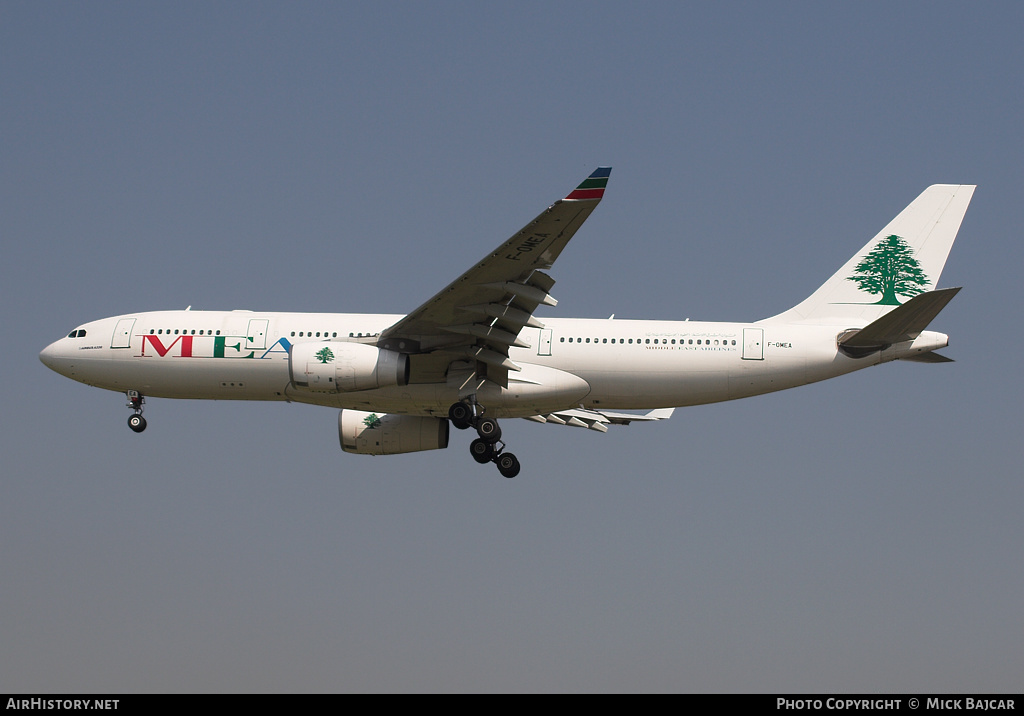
x=201, y=378
x=751, y=378
x=533, y=390
x=624, y=390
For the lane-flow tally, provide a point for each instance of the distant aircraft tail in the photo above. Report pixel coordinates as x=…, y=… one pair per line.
x=905, y=259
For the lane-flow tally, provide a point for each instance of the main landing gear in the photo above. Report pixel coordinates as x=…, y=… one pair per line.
x=488, y=447
x=135, y=401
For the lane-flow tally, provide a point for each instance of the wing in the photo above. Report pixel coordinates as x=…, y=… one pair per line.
x=599, y=419
x=479, y=315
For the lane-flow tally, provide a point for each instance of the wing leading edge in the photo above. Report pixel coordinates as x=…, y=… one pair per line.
x=479, y=315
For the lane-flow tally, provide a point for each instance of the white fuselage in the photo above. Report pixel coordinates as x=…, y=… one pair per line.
x=625, y=364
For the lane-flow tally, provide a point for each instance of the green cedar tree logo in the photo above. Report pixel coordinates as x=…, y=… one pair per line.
x=324, y=355
x=890, y=269
x=371, y=421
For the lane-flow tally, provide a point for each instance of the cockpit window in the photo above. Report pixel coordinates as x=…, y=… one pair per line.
x=78, y=333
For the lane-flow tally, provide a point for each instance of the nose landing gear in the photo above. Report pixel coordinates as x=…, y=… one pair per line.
x=135, y=401
x=488, y=447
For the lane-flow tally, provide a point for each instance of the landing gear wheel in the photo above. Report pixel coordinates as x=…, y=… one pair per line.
x=489, y=430
x=481, y=450
x=508, y=464
x=461, y=415
x=137, y=423
x=488, y=447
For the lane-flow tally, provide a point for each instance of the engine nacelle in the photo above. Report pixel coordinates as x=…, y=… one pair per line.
x=340, y=367
x=382, y=434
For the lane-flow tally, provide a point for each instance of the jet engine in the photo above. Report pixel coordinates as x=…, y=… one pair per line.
x=382, y=434
x=340, y=367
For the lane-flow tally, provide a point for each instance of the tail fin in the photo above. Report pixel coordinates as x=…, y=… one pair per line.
x=904, y=260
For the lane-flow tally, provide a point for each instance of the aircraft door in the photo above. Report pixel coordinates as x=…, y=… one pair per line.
x=753, y=344
x=544, y=344
x=122, y=337
x=256, y=337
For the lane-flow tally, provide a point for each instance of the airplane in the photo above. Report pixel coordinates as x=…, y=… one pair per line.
x=476, y=352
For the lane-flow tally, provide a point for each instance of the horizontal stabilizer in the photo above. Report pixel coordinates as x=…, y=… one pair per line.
x=903, y=323
x=929, y=357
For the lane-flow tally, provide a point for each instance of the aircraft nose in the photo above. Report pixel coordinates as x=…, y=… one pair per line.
x=49, y=356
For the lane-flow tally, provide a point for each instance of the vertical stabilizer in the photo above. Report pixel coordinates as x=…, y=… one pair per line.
x=903, y=260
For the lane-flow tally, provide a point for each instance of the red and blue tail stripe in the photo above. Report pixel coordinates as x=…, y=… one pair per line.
x=592, y=187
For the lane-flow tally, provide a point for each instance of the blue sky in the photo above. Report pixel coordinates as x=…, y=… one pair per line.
x=858, y=535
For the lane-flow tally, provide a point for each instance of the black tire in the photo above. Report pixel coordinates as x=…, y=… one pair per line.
x=137, y=423
x=508, y=464
x=461, y=415
x=489, y=430
x=481, y=450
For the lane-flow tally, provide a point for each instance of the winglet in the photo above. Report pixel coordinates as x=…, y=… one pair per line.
x=592, y=187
